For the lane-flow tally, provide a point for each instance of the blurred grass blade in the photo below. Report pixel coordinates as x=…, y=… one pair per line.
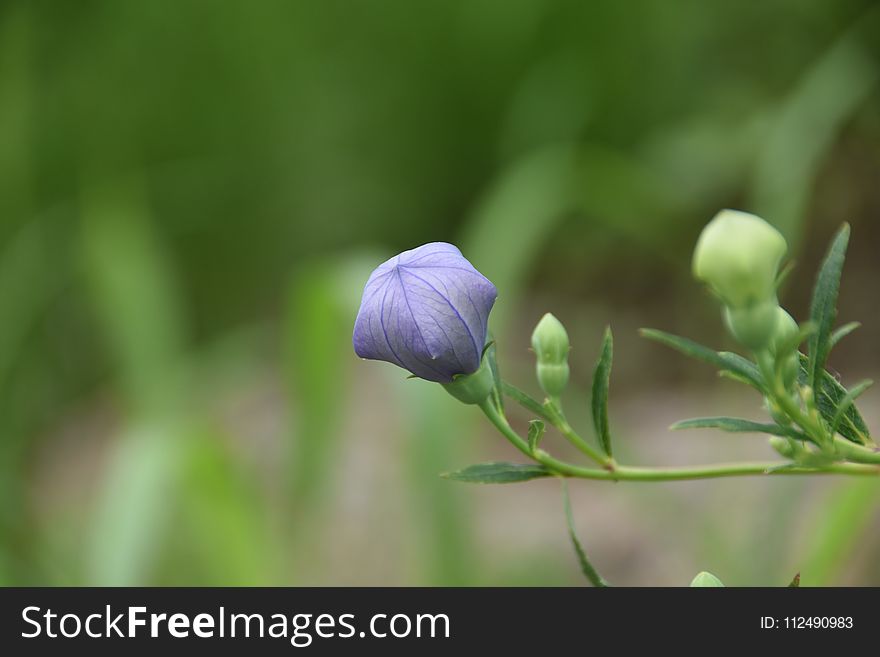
x=134, y=505
x=219, y=504
x=724, y=360
x=601, y=383
x=136, y=300
x=498, y=472
x=795, y=581
x=805, y=127
x=587, y=567
x=823, y=309
x=839, y=526
x=736, y=425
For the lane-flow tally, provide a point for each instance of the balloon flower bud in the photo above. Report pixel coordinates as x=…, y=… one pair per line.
x=427, y=311
x=550, y=344
x=754, y=326
x=738, y=256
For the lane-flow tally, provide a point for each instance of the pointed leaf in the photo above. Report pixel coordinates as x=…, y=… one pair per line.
x=587, y=568
x=823, y=310
x=795, y=581
x=601, y=383
x=737, y=425
x=497, y=472
x=724, y=360
x=829, y=395
x=847, y=402
x=536, y=432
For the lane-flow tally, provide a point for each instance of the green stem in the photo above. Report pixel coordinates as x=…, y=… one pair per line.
x=635, y=473
x=552, y=412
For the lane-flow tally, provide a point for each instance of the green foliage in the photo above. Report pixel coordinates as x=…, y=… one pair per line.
x=498, y=473
x=725, y=361
x=737, y=425
x=587, y=567
x=823, y=310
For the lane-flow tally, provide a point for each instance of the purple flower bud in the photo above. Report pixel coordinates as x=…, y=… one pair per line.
x=426, y=310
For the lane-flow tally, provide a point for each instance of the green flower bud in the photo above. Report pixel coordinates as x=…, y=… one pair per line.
x=782, y=446
x=550, y=341
x=551, y=346
x=738, y=256
x=754, y=326
x=472, y=388
x=705, y=579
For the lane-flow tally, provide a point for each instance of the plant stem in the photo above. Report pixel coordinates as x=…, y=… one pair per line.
x=552, y=412
x=636, y=473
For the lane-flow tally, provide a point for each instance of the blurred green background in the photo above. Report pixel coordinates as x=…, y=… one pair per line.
x=193, y=193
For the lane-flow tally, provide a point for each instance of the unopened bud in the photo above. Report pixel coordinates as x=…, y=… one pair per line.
x=551, y=345
x=738, y=256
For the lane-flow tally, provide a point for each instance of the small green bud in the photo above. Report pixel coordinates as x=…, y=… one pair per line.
x=738, y=255
x=753, y=326
x=472, y=388
x=782, y=446
x=550, y=341
x=551, y=346
x=705, y=579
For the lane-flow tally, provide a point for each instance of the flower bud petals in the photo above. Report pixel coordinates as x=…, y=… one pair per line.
x=427, y=311
x=738, y=255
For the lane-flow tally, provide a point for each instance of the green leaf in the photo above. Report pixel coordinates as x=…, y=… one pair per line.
x=523, y=399
x=847, y=402
x=587, y=568
x=795, y=581
x=536, y=432
x=601, y=382
x=842, y=332
x=829, y=396
x=498, y=472
x=726, y=361
x=705, y=579
x=823, y=309
x=737, y=425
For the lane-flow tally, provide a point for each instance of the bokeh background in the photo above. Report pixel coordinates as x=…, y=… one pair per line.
x=193, y=193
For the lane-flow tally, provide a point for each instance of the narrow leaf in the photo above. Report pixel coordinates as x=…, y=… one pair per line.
x=601, y=383
x=586, y=567
x=795, y=581
x=849, y=399
x=536, y=432
x=498, y=473
x=724, y=360
x=737, y=425
x=841, y=333
x=829, y=395
x=823, y=310
x=523, y=399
